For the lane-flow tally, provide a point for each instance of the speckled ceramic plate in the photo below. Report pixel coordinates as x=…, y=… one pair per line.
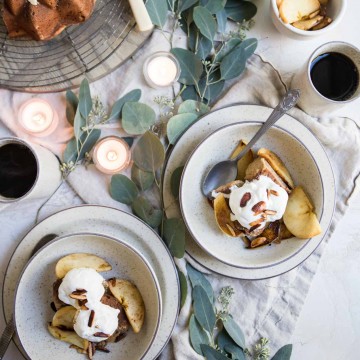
x=114, y=223
x=34, y=292
x=301, y=152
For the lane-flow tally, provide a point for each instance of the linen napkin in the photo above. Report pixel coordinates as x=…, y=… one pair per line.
x=265, y=308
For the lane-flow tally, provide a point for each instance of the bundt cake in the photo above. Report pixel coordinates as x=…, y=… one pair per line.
x=44, y=19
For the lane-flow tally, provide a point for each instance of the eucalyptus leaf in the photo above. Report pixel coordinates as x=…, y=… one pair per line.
x=178, y=124
x=70, y=153
x=175, y=181
x=233, y=64
x=195, y=107
x=186, y=4
x=190, y=93
x=174, y=236
x=223, y=339
x=146, y=212
x=193, y=37
x=157, y=10
x=85, y=101
x=190, y=65
x=205, y=22
x=149, y=153
x=214, y=6
x=227, y=48
x=204, y=47
x=183, y=287
x=212, y=91
x=122, y=189
x=203, y=309
x=244, y=10
x=132, y=96
x=143, y=179
x=212, y=354
x=198, y=335
x=137, y=118
x=221, y=18
x=235, y=351
x=283, y=353
x=234, y=331
x=129, y=140
x=198, y=279
x=79, y=123
x=72, y=102
x=88, y=141
x=249, y=46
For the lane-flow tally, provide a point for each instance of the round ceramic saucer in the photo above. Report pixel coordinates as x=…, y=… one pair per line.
x=217, y=119
x=117, y=224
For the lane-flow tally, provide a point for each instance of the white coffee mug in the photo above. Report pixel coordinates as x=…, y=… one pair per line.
x=48, y=174
x=311, y=101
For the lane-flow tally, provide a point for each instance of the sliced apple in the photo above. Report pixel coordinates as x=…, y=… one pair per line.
x=299, y=217
x=80, y=260
x=295, y=10
x=278, y=3
x=277, y=164
x=64, y=317
x=131, y=300
x=244, y=162
x=222, y=215
x=308, y=24
x=68, y=336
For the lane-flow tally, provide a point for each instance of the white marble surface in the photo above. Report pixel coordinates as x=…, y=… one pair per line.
x=330, y=321
x=329, y=325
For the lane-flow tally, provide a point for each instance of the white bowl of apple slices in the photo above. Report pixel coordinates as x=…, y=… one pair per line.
x=306, y=19
x=87, y=296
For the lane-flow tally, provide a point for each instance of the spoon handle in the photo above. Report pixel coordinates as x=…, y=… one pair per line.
x=6, y=337
x=286, y=103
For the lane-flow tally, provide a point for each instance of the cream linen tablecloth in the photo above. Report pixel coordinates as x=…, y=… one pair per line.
x=266, y=308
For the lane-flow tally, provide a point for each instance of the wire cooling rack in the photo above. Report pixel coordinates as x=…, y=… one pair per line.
x=94, y=48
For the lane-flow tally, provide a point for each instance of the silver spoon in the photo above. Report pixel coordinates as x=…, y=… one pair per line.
x=226, y=171
x=10, y=327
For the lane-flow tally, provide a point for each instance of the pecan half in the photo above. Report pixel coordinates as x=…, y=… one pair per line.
x=259, y=207
x=91, y=318
x=244, y=200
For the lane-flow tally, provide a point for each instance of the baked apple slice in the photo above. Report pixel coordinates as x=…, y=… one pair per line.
x=295, y=10
x=131, y=300
x=244, y=162
x=299, y=216
x=64, y=318
x=68, y=336
x=80, y=260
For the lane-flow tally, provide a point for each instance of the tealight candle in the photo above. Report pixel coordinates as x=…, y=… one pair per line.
x=111, y=155
x=161, y=69
x=37, y=117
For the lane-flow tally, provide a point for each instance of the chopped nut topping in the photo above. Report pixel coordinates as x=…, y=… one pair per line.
x=90, y=351
x=254, y=227
x=257, y=222
x=259, y=207
x=78, y=294
x=246, y=197
x=270, y=212
x=91, y=318
x=274, y=192
x=101, y=335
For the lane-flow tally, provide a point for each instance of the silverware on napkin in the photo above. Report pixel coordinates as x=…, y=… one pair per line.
x=10, y=327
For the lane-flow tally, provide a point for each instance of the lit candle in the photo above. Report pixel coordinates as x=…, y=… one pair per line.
x=111, y=155
x=161, y=69
x=37, y=117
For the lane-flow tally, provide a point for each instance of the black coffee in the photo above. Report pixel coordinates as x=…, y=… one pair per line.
x=18, y=170
x=334, y=76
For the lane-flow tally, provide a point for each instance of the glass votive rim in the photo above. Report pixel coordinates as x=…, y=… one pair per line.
x=154, y=56
x=120, y=168
x=48, y=130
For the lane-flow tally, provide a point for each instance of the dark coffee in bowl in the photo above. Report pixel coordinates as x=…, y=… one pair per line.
x=18, y=170
x=334, y=76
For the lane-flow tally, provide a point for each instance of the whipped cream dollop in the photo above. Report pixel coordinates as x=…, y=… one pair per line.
x=257, y=202
x=97, y=323
x=82, y=279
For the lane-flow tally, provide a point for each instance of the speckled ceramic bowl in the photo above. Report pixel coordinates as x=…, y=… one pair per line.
x=34, y=295
x=199, y=215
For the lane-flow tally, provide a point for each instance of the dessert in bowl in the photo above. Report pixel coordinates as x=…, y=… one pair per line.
x=105, y=301
x=306, y=19
x=264, y=198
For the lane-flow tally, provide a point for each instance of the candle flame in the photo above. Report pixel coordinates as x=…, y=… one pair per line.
x=112, y=156
x=39, y=118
